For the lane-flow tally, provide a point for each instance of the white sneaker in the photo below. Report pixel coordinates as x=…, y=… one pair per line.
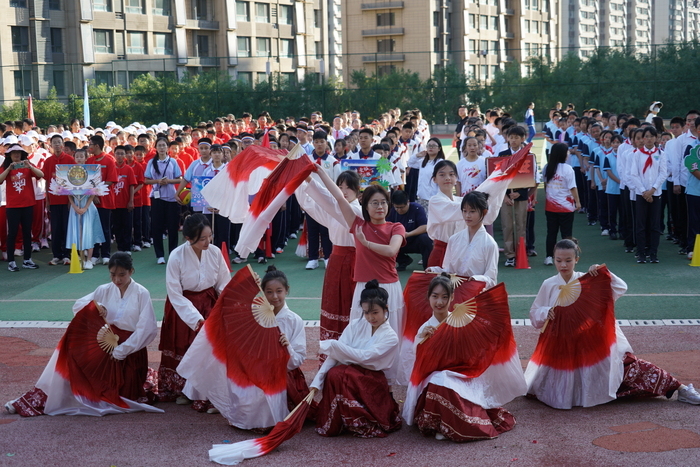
x=146, y=245
x=213, y=410
x=292, y=235
x=88, y=265
x=94, y=260
x=420, y=262
x=29, y=264
x=312, y=264
x=161, y=260
x=19, y=252
x=44, y=244
x=10, y=408
x=54, y=262
x=325, y=262
x=239, y=260
x=135, y=248
x=4, y=256
x=183, y=400
x=66, y=262
x=605, y=233
x=35, y=247
x=548, y=261
x=105, y=261
x=279, y=251
x=690, y=255
x=689, y=395
x=440, y=436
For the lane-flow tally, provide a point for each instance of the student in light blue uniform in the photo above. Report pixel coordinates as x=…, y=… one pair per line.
x=612, y=188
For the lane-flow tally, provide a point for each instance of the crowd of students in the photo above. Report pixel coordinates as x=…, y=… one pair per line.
x=426, y=204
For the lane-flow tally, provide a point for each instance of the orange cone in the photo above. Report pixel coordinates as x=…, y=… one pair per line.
x=224, y=251
x=521, y=256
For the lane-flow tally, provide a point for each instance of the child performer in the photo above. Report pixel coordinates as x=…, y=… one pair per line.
x=618, y=374
x=452, y=405
x=356, y=394
x=126, y=306
x=444, y=216
x=195, y=276
x=471, y=168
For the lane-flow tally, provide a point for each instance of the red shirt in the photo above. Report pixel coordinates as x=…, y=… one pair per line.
x=368, y=263
x=150, y=155
x=121, y=189
x=50, y=174
x=138, y=174
x=20, y=189
x=146, y=190
x=109, y=174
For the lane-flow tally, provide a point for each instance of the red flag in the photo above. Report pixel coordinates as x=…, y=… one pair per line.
x=30, y=109
x=266, y=139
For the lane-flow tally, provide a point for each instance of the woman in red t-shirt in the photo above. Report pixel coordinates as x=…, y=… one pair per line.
x=377, y=243
x=18, y=172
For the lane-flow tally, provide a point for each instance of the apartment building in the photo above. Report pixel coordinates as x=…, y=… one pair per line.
x=58, y=43
x=676, y=21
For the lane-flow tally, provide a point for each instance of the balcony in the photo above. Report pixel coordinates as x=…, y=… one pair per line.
x=382, y=32
x=509, y=12
x=382, y=57
x=508, y=35
x=202, y=61
x=201, y=24
x=381, y=6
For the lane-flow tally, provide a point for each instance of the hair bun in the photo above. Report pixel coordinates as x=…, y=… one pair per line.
x=445, y=274
x=270, y=268
x=373, y=284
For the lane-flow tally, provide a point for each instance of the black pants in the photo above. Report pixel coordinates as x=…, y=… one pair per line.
x=530, y=231
x=421, y=244
x=681, y=222
x=59, y=230
x=412, y=184
x=603, y=210
x=314, y=231
x=145, y=224
x=592, y=207
x=165, y=215
x=613, y=206
x=581, y=186
x=293, y=215
x=279, y=230
x=647, y=224
x=627, y=218
x=666, y=207
x=222, y=227
x=234, y=235
x=122, y=222
x=558, y=222
x=15, y=218
x=104, y=248
x=137, y=237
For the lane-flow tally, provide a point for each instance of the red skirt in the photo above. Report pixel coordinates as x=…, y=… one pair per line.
x=297, y=390
x=438, y=254
x=338, y=289
x=175, y=338
x=644, y=379
x=357, y=400
x=441, y=410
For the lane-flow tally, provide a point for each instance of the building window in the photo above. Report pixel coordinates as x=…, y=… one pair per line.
x=18, y=3
x=59, y=82
x=286, y=48
x=484, y=72
x=263, y=46
x=545, y=6
x=262, y=78
x=243, y=11
x=494, y=23
x=134, y=6
x=536, y=27
x=102, y=5
x=20, y=38
x=319, y=50
x=527, y=49
x=483, y=47
x=493, y=50
x=161, y=7
x=162, y=43
x=243, y=46
x=483, y=21
x=104, y=77
x=23, y=82
x=54, y=4
x=135, y=43
x=545, y=27
x=472, y=71
x=472, y=46
x=535, y=6
x=199, y=9
x=56, y=40
x=103, y=41
x=289, y=79
x=318, y=20
x=472, y=21
x=245, y=77
x=286, y=14
x=386, y=45
x=493, y=70
x=527, y=4
x=262, y=12
x=386, y=19
x=202, y=46
x=527, y=26
x=385, y=70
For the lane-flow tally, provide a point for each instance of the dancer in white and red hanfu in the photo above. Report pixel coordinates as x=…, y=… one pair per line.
x=83, y=379
x=582, y=357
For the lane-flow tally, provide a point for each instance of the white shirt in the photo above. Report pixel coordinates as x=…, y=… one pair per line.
x=358, y=345
x=672, y=160
x=427, y=188
x=624, y=153
x=292, y=326
x=558, y=190
x=187, y=272
x=640, y=180
x=38, y=158
x=444, y=217
x=133, y=312
x=471, y=174
x=473, y=257
x=685, y=140
x=337, y=134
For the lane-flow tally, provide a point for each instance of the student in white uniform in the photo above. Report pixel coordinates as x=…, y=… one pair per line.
x=444, y=213
x=424, y=162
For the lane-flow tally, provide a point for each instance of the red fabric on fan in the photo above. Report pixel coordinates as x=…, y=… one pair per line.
x=252, y=157
x=470, y=349
x=252, y=353
x=284, y=430
x=581, y=334
x=91, y=371
x=266, y=140
x=442, y=410
x=438, y=254
x=415, y=296
x=287, y=176
x=297, y=390
x=512, y=165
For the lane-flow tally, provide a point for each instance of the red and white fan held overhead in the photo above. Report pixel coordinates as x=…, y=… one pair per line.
x=576, y=361
x=497, y=183
x=243, y=176
x=475, y=348
x=273, y=194
x=418, y=311
x=236, y=361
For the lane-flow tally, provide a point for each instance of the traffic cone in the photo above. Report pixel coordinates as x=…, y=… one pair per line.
x=696, y=252
x=75, y=267
x=224, y=251
x=521, y=256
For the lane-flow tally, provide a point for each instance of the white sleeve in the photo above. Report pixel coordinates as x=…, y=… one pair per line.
x=325, y=203
x=633, y=181
x=540, y=308
x=223, y=275
x=146, y=329
x=441, y=210
x=308, y=199
x=490, y=275
x=663, y=172
x=320, y=377
x=619, y=287
x=184, y=308
x=378, y=357
x=82, y=302
x=297, y=346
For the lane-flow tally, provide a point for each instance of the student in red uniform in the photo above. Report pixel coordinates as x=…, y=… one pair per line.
x=137, y=237
x=58, y=205
x=122, y=216
x=105, y=204
x=18, y=172
x=145, y=239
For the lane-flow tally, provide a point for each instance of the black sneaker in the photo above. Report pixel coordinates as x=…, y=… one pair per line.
x=510, y=263
x=613, y=236
x=29, y=264
x=653, y=259
x=683, y=251
x=641, y=259
x=12, y=267
x=592, y=223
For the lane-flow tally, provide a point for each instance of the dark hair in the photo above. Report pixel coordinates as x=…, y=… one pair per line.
x=118, y=148
x=464, y=145
x=440, y=154
x=61, y=137
x=351, y=180
x=154, y=161
x=320, y=134
x=372, y=295
x=121, y=259
x=273, y=274
x=368, y=131
x=8, y=160
x=568, y=244
x=658, y=123
x=649, y=129
x=477, y=200
x=399, y=197
x=98, y=140
x=678, y=120
x=617, y=137
x=367, y=195
x=194, y=225
x=444, y=280
x=442, y=164
x=557, y=155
